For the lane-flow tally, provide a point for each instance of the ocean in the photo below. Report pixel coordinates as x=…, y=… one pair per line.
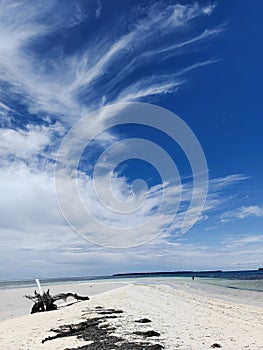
x=249, y=280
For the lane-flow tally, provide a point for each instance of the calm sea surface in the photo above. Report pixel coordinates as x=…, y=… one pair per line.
x=244, y=280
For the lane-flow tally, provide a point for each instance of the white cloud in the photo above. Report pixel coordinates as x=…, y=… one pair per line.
x=227, y=181
x=242, y=251
x=206, y=34
x=33, y=205
x=4, y=107
x=5, y=114
x=209, y=9
x=144, y=88
x=242, y=213
x=85, y=74
x=30, y=216
x=27, y=143
x=98, y=9
x=245, y=239
x=158, y=85
x=21, y=25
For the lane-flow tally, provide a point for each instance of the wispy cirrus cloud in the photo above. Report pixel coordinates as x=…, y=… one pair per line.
x=242, y=213
x=173, y=50
x=22, y=26
x=244, y=239
x=159, y=85
x=98, y=9
x=4, y=107
x=227, y=181
x=49, y=79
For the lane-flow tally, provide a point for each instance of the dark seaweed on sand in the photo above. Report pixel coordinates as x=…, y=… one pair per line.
x=100, y=333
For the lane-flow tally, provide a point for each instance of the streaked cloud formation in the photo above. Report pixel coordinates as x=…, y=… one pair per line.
x=243, y=212
x=36, y=66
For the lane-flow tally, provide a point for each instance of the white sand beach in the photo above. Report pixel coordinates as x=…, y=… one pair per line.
x=184, y=320
x=13, y=303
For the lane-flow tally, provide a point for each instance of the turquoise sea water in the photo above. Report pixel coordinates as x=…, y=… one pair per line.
x=49, y=281
x=241, y=280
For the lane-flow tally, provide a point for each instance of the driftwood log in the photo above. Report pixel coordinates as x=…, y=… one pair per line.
x=46, y=302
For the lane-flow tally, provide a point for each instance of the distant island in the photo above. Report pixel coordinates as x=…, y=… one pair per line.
x=260, y=269
x=164, y=273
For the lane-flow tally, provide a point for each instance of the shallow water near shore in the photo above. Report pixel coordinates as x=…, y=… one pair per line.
x=243, y=280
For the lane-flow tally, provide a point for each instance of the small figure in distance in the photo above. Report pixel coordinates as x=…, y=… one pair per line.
x=193, y=277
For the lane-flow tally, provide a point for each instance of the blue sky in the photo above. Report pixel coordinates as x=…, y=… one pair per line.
x=61, y=62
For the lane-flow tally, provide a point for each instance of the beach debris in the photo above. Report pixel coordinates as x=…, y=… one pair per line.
x=43, y=301
x=215, y=345
x=46, y=302
x=147, y=333
x=143, y=320
x=39, y=286
x=98, y=332
x=109, y=311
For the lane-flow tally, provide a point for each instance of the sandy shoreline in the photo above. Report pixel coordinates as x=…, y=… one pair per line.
x=13, y=303
x=184, y=320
